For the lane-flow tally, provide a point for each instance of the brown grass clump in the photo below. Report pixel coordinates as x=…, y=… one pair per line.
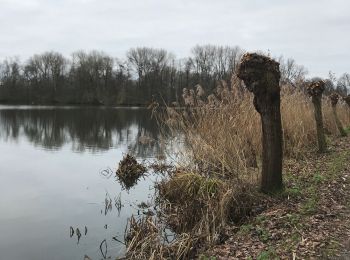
x=197, y=210
x=186, y=198
x=129, y=171
x=202, y=205
x=145, y=239
x=184, y=186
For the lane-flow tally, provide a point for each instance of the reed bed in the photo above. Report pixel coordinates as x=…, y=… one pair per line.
x=216, y=183
x=223, y=133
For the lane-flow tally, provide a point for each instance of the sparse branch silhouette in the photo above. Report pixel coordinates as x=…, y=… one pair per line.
x=144, y=75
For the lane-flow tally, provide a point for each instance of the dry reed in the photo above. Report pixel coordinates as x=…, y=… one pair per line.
x=224, y=136
x=217, y=184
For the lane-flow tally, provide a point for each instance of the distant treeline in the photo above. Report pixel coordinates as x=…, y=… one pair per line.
x=145, y=74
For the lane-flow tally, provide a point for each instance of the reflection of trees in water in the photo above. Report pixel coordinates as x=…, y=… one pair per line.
x=93, y=129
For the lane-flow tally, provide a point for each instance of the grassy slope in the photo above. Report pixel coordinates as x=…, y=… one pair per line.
x=310, y=219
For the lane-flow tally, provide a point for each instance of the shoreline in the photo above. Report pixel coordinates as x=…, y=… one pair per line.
x=71, y=105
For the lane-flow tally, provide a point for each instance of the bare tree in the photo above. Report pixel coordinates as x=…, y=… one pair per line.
x=343, y=84
x=46, y=70
x=155, y=69
x=210, y=63
x=291, y=72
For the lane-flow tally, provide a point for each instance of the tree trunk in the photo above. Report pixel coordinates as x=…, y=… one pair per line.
x=261, y=76
x=271, y=179
x=321, y=139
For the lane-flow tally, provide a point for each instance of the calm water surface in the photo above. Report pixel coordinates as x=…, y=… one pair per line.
x=57, y=169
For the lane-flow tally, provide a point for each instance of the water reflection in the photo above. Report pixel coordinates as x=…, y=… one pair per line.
x=84, y=129
x=73, y=202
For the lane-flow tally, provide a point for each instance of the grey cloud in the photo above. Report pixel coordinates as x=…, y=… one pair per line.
x=313, y=32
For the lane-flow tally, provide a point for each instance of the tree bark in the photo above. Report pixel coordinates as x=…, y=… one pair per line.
x=272, y=148
x=315, y=90
x=321, y=139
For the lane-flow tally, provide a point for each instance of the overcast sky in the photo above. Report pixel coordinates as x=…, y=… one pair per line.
x=316, y=33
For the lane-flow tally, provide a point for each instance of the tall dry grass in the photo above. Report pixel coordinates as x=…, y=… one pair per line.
x=223, y=132
x=217, y=184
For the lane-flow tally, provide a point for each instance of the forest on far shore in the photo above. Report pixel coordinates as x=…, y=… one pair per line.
x=145, y=74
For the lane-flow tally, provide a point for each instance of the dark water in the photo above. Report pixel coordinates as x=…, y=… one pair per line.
x=52, y=178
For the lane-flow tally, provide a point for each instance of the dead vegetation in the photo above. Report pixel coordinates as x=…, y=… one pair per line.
x=146, y=239
x=214, y=189
x=334, y=97
x=191, y=209
x=192, y=203
x=161, y=167
x=129, y=171
x=225, y=137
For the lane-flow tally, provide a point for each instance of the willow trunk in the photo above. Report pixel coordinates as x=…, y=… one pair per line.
x=321, y=139
x=271, y=179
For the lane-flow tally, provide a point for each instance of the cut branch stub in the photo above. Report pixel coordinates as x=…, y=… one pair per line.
x=315, y=90
x=334, y=97
x=261, y=76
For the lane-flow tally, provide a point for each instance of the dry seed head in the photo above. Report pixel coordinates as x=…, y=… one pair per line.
x=212, y=99
x=223, y=83
x=235, y=81
x=185, y=92
x=192, y=92
x=219, y=89
x=200, y=91
x=188, y=97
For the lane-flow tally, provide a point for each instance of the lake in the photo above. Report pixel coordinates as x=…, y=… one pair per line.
x=57, y=175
